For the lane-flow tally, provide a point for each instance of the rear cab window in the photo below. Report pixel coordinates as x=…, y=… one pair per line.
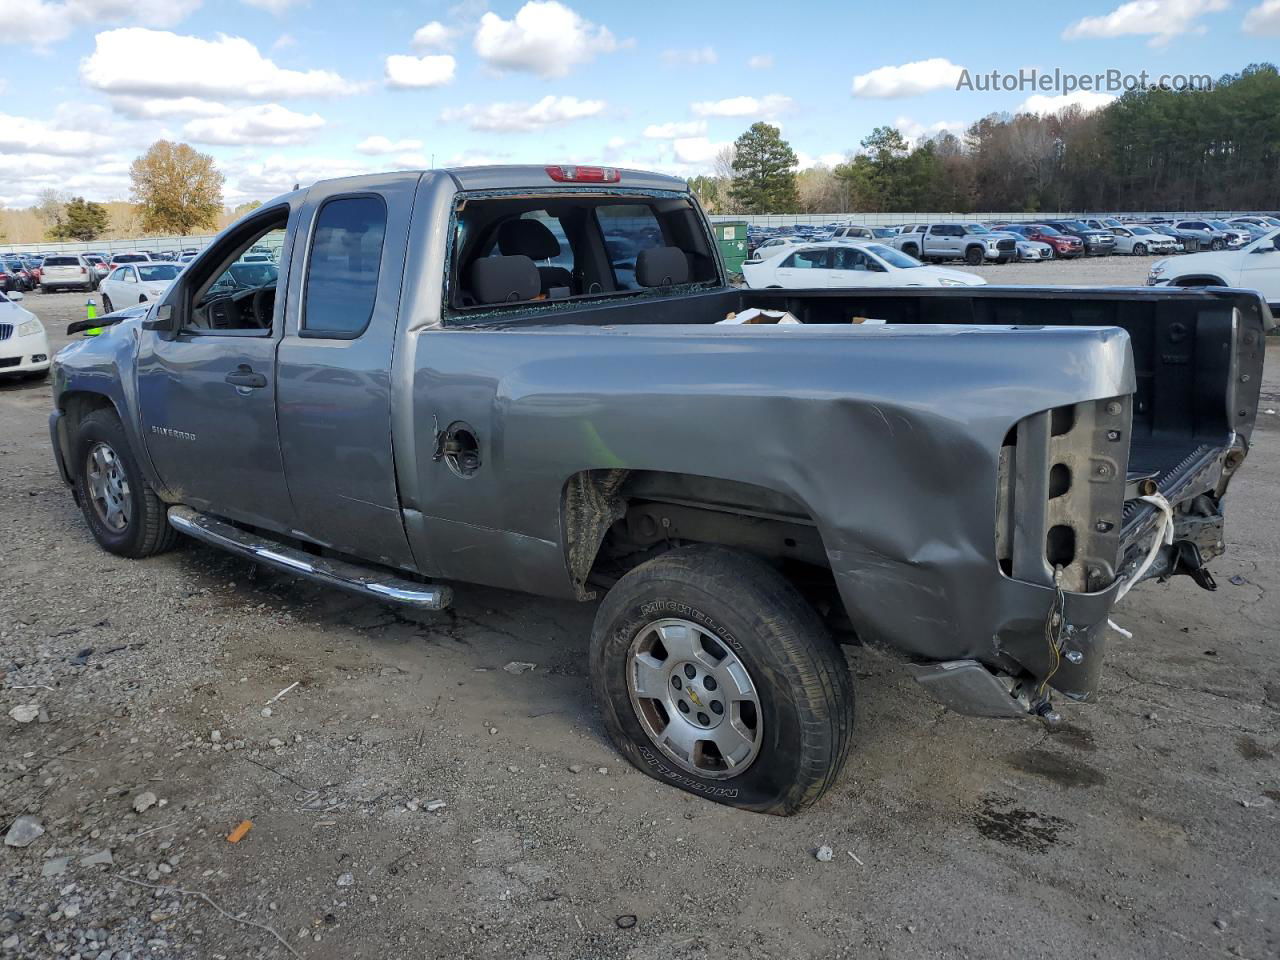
x=553, y=248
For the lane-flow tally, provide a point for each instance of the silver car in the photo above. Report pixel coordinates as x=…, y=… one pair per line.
x=1141, y=241
x=64, y=271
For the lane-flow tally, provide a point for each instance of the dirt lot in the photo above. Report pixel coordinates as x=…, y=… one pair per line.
x=1149, y=827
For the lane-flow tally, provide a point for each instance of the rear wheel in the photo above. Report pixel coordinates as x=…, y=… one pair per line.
x=717, y=677
x=124, y=514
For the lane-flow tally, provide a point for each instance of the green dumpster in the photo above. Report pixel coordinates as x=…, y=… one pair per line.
x=731, y=238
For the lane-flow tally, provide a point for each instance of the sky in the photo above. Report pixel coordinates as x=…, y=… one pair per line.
x=290, y=91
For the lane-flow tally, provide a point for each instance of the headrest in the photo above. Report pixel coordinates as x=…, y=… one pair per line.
x=527, y=238
x=662, y=267
x=505, y=279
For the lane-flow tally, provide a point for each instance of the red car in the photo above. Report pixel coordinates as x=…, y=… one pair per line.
x=1063, y=245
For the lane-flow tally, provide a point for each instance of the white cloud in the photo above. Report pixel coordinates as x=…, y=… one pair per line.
x=698, y=57
x=151, y=108
x=40, y=23
x=378, y=144
x=433, y=36
x=696, y=150
x=915, y=130
x=1264, y=19
x=761, y=61
x=907, y=79
x=544, y=37
x=766, y=106
x=154, y=63
x=408, y=72
x=278, y=7
x=1086, y=100
x=23, y=176
x=20, y=135
x=829, y=160
x=284, y=41
x=669, y=131
x=261, y=124
x=254, y=179
x=524, y=117
x=411, y=161
x=1161, y=20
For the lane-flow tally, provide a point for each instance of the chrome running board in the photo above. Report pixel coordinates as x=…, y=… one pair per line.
x=369, y=582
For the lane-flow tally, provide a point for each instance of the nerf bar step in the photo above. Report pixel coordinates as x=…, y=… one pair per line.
x=367, y=581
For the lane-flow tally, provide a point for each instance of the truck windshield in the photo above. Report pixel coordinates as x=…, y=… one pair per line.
x=976, y=228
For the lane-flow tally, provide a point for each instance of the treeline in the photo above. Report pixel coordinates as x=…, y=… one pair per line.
x=1153, y=149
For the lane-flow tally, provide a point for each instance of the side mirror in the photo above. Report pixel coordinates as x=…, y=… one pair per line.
x=161, y=320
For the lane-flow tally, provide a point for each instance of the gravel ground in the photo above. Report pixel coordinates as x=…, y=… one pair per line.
x=1148, y=827
x=1109, y=271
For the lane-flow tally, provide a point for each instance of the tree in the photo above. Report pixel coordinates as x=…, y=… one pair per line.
x=177, y=187
x=764, y=178
x=49, y=210
x=80, y=220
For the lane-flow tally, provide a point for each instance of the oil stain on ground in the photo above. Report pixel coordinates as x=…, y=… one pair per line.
x=1251, y=749
x=998, y=819
x=1064, y=771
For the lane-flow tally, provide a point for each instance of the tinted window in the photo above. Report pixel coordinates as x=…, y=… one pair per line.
x=807, y=259
x=342, y=273
x=62, y=261
x=851, y=260
x=158, y=272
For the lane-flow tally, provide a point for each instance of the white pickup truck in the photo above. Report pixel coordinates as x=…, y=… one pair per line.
x=1255, y=266
x=954, y=241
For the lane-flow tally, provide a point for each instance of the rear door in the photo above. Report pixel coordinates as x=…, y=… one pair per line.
x=803, y=269
x=334, y=367
x=850, y=267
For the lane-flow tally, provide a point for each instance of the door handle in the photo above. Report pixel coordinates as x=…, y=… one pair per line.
x=243, y=376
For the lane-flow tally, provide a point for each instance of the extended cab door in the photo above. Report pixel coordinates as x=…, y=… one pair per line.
x=334, y=397
x=207, y=386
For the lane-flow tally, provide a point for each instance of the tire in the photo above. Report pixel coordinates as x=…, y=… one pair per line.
x=729, y=610
x=911, y=250
x=1139, y=249
x=145, y=530
x=1216, y=244
x=106, y=304
x=974, y=256
x=44, y=288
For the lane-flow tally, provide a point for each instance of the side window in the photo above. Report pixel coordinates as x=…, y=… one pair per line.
x=342, y=271
x=627, y=228
x=117, y=274
x=130, y=275
x=230, y=296
x=807, y=260
x=849, y=260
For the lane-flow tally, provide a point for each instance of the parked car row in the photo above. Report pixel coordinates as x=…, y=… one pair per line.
x=977, y=242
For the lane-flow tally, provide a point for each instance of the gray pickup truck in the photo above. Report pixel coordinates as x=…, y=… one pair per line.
x=446, y=377
x=970, y=242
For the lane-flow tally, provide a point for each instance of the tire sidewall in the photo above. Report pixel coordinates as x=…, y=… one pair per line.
x=101, y=430
x=776, y=767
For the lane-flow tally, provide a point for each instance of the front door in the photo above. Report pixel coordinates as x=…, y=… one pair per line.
x=207, y=391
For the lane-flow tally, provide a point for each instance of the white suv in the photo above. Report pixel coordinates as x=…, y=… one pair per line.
x=63, y=270
x=1256, y=266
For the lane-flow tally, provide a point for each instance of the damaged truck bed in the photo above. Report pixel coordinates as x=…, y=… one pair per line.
x=516, y=377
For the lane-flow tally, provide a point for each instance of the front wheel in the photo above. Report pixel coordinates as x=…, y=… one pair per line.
x=124, y=514
x=1139, y=249
x=973, y=256
x=1216, y=244
x=715, y=676
x=106, y=304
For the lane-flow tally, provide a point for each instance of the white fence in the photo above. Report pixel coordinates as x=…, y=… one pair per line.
x=154, y=244
x=893, y=219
